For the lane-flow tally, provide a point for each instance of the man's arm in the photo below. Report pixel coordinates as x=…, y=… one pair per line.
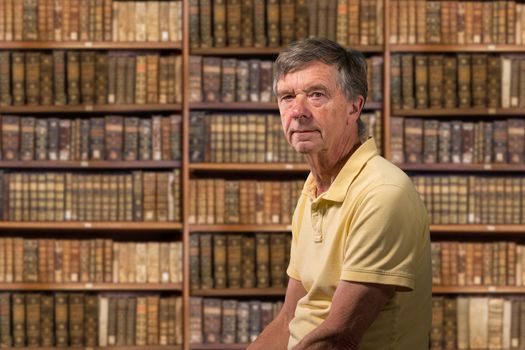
x=354, y=307
x=275, y=335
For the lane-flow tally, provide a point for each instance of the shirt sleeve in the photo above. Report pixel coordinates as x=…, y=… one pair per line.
x=383, y=238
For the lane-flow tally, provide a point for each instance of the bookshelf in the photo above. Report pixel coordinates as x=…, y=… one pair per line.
x=124, y=240
x=379, y=45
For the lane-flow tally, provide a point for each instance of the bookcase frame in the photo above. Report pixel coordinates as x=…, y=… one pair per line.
x=189, y=170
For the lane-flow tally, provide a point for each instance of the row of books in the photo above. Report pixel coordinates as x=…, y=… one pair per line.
x=215, y=79
x=462, y=80
x=274, y=23
x=239, y=261
x=414, y=140
x=95, y=261
x=71, y=77
x=456, y=22
x=251, y=138
x=110, y=138
x=475, y=263
x=221, y=201
x=477, y=322
x=229, y=321
x=461, y=199
x=103, y=20
x=88, y=320
x=66, y=196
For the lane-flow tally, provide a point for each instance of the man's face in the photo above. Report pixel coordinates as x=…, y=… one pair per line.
x=315, y=113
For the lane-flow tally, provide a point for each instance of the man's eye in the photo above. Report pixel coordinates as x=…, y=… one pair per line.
x=286, y=98
x=316, y=94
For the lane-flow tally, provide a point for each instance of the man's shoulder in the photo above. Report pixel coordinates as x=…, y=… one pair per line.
x=379, y=171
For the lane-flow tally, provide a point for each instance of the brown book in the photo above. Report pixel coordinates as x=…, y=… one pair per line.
x=211, y=80
x=32, y=78
x=113, y=137
x=263, y=260
x=18, y=78
x=61, y=319
x=196, y=321
x=435, y=78
x=413, y=140
x=211, y=310
x=233, y=20
x=18, y=319
x=273, y=23
x=87, y=77
x=73, y=77
x=10, y=137
x=464, y=81
x=141, y=325
x=153, y=320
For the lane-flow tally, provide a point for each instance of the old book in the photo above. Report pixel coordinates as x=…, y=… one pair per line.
x=196, y=321
x=18, y=319
x=18, y=78
x=464, y=81
x=205, y=21
x=211, y=80
x=247, y=22
x=260, y=15
x=478, y=316
x=91, y=320
x=141, y=324
x=435, y=76
x=46, y=320
x=61, y=320
x=233, y=20
x=87, y=77
x=5, y=78
x=273, y=23
x=479, y=80
x=73, y=77
x=262, y=260
x=243, y=322
x=211, y=310
x=59, y=77
x=228, y=321
x=277, y=260
x=413, y=131
x=152, y=320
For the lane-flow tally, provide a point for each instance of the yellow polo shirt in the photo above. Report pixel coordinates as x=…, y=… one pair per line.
x=370, y=226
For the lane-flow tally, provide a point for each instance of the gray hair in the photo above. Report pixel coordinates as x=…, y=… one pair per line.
x=351, y=65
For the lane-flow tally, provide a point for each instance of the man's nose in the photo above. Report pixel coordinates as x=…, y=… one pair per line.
x=300, y=108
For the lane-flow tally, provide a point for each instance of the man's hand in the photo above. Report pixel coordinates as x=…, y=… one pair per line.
x=275, y=335
x=354, y=307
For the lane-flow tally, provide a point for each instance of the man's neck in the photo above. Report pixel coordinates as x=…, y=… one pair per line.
x=324, y=170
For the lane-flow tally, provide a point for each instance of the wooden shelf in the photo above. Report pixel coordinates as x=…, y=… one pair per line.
x=477, y=229
x=145, y=347
x=120, y=226
x=256, y=106
x=121, y=108
x=240, y=228
x=250, y=167
x=265, y=51
x=239, y=292
x=484, y=48
x=435, y=229
x=477, y=289
x=91, y=286
x=89, y=45
x=463, y=167
x=217, y=346
x=91, y=164
x=459, y=112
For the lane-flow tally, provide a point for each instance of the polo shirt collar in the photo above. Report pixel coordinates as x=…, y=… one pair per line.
x=346, y=176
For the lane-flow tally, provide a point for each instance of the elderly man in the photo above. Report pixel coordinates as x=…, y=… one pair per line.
x=360, y=272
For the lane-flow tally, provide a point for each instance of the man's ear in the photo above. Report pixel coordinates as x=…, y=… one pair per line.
x=356, y=107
